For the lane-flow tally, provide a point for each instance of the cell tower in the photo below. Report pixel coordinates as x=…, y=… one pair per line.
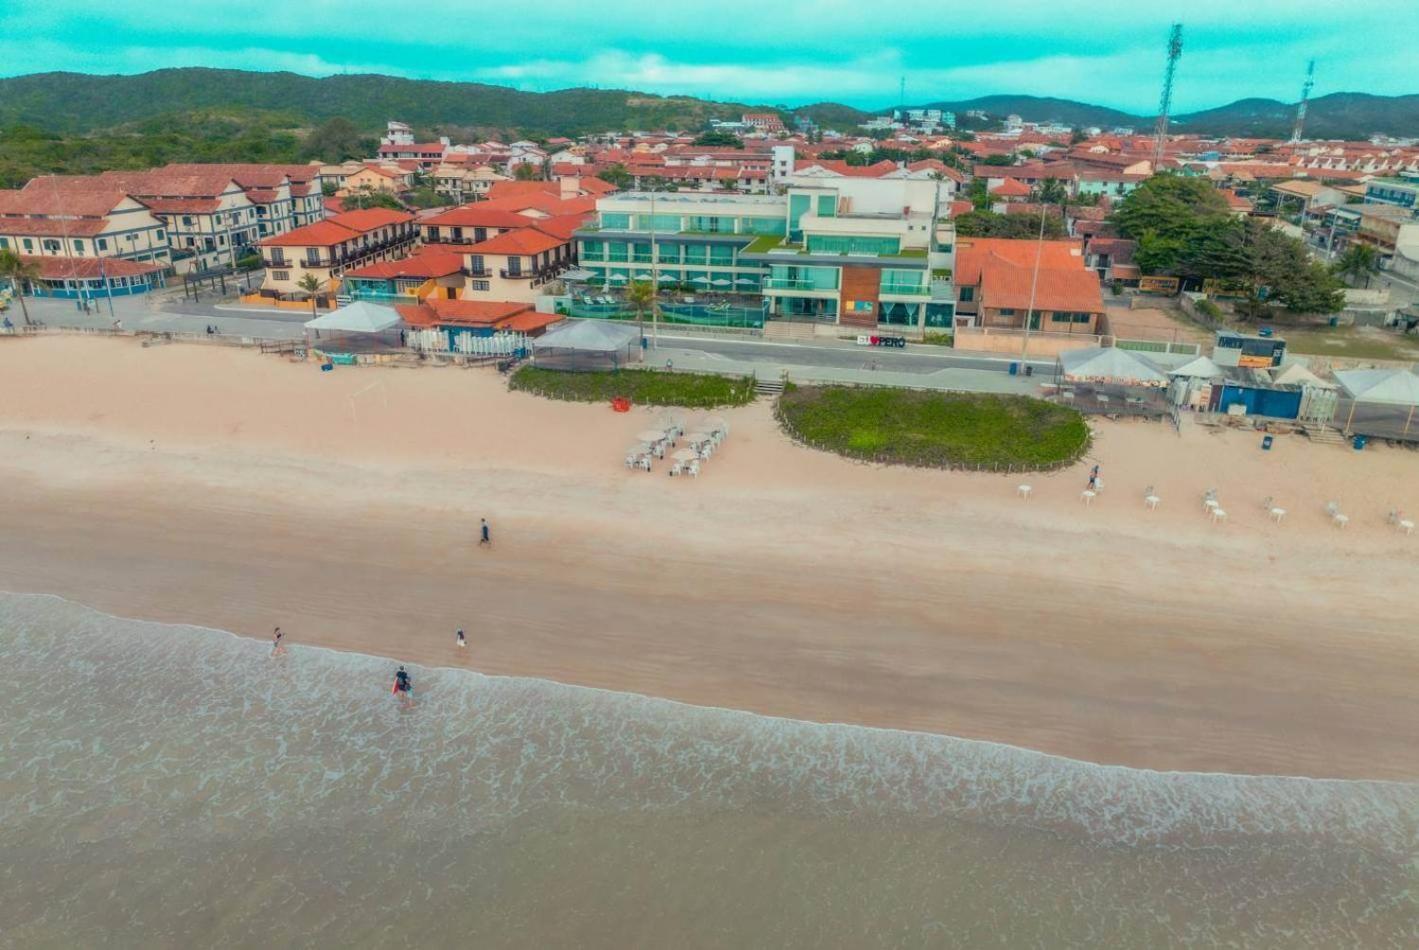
x=1305, y=101
x=1165, y=103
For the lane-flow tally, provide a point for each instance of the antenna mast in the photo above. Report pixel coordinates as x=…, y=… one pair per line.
x=1305, y=101
x=1165, y=103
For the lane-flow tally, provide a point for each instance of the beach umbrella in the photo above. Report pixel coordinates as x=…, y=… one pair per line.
x=697, y=436
x=685, y=455
x=668, y=279
x=746, y=281
x=699, y=279
x=720, y=282
x=618, y=278
x=578, y=274
x=650, y=435
x=640, y=448
x=643, y=275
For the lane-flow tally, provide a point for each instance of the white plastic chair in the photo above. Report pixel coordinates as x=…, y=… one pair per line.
x=1024, y=491
x=1340, y=520
x=1151, y=502
x=693, y=467
x=1277, y=514
x=1087, y=496
x=1218, y=515
x=1406, y=526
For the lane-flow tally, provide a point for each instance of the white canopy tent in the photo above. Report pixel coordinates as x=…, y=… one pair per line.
x=587, y=341
x=1381, y=387
x=1200, y=368
x=1296, y=374
x=358, y=317
x=1109, y=364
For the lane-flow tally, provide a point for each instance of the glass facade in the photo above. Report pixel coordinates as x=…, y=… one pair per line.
x=798, y=206
x=669, y=223
x=711, y=223
x=762, y=226
x=904, y=282
x=615, y=221
x=827, y=206
x=788, y=277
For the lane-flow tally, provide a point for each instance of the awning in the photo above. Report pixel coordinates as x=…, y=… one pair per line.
x=358, y=317
x=588, y=336
x=1394, y=387
x=1109, y=364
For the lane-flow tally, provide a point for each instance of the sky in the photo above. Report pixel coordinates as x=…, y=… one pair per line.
x=789, y=52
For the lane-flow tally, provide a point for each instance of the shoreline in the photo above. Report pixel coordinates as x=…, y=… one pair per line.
x=783, y=582
x=826, y=724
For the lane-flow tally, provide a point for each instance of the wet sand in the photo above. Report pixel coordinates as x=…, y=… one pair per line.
x=222, y=488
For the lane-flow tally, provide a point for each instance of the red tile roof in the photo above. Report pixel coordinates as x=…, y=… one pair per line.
x=525, y=241
x=1004, y=270
x=479, y=313
x=972, y=252
x=86, y=268
x=60, y=194
x=341, y=227
x=479, y=215
x=1011, y=188
x=425, y=265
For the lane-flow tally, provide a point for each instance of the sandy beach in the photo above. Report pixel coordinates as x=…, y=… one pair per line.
x=216, y=486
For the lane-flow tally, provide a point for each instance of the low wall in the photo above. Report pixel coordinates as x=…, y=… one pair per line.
x=1042, y=344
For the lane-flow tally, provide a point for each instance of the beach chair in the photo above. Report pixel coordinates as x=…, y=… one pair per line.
x=693, y=467
x=631, y=461
x=677, y=469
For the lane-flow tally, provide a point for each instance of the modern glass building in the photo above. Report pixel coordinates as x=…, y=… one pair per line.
x=858, y=252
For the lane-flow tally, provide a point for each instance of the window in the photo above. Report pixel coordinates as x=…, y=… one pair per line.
x=827, y=206
x=480, y=285
x=1007, y=311
x=187, y=220
x=514, y=266
x=280, y=275
x=480, y=235
x=29, y=245
x=78, y=246
x=159, y=234
x=851, y=244
x=4, y=243
x=102, y=244
x=476, y=264
x=615, y=221
x=50, y=245
x=968, y=294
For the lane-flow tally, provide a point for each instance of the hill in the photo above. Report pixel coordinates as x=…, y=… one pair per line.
x=76, y=102
x=1040, y=109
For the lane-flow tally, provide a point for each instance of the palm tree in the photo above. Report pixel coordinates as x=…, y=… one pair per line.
x=1359, y=260
x=310, y=284
x=18, y=271
x=641, y=296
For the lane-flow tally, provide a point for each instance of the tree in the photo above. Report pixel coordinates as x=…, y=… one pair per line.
x=1023, y=227
x=310, y=284
x=1359, y=260
x=369, y=198
x=1077, y=136
x=525, y=172
x=336, y=140
x=641, y=297
x=328, y=189
x=719, y=140
x=18, y=272
x=617, y=174
x=426, y=198
x=998, y=160
x=1051, y=191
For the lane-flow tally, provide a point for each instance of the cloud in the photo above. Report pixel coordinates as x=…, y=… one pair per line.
x=793, y=51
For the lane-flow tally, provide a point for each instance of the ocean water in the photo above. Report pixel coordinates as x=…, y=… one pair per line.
x=165, y=786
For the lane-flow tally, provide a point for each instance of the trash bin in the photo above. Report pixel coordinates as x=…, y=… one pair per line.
x=1360, y=442
x=1014, y=369
x=1335, y=321
x=1029, y=370
x=1266, y=443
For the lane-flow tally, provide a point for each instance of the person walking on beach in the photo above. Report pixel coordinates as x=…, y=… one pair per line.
x=277, y=647
x=403, y=685
x=484, y=536
x=458, y=639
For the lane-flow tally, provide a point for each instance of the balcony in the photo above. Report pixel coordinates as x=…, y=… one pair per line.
x=905, y=290
x=785, y=283
x=506, y=274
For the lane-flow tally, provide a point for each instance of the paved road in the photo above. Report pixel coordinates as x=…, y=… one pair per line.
x=918, y=358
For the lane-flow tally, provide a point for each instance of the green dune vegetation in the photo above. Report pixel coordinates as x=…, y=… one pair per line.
x=643, y=387
x=980, y=431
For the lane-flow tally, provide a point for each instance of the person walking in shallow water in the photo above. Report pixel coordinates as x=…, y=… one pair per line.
x=484, y=537
x=277, y=647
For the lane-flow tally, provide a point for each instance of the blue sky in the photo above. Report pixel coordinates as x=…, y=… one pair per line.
x=790, y=51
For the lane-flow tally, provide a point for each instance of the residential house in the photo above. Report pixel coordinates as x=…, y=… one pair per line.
x=997, y=285
x=328, y=248
x=433, y=273
x=371, y=178
x=462, y=182
x=87, y=239
x=515, y=265
x=476, y=318
x=1403, y=192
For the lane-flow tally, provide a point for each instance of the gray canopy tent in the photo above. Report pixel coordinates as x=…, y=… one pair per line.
x=1382, y=402
x=587, y=344
x=360, y=327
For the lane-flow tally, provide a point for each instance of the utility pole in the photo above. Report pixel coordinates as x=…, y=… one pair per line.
x=1165, y=101
x=654, y=281
x=1034, y=284
x=1305, y=101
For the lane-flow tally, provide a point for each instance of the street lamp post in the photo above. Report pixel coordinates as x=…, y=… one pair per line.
x=1034, y=284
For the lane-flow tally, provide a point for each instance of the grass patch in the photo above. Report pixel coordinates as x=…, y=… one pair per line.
x=979, y=431
x=1364, y=343
x=944, y=338
x=645, y=387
